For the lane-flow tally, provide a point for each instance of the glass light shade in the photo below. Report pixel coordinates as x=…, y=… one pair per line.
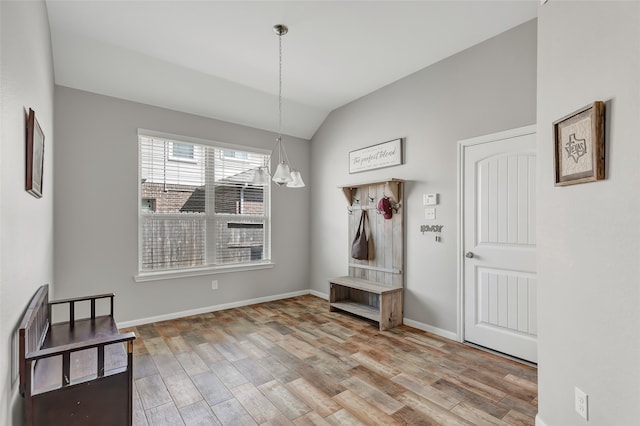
x=261, y=176
x=297, y=181
x=282, y=174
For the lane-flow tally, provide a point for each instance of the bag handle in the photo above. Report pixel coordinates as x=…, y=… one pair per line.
x=360, y=245
x=362, y=224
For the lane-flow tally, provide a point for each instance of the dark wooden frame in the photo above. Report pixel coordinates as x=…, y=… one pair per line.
x=35, y=156
x=586, y=147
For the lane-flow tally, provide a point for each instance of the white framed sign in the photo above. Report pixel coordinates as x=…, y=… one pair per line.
x=384, y=154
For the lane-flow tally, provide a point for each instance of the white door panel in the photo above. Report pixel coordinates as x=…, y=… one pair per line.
x=499, y=283
x=507, y=199
x=504, y=300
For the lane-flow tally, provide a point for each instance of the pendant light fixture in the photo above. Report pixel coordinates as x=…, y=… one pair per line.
x=284, y=174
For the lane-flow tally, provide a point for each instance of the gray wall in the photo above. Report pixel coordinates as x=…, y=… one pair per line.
x=588, y=235
x=26, y=223
x=488, y=88
x=96, y=207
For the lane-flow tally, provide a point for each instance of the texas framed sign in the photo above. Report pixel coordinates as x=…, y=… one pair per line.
x=579, y=146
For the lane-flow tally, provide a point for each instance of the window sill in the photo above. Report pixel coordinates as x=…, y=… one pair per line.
x=183, y=273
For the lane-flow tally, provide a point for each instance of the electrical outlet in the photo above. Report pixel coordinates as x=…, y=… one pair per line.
x=214, y=285
x=582, y=403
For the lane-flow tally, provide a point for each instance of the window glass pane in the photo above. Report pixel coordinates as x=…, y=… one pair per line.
x=239, y=241
x=183, y=150
x=239, y=199
x=148, y=205
x=202, y=212
x=235, y=154
x=172, y=243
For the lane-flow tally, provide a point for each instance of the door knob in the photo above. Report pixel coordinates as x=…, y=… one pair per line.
x=469, y=255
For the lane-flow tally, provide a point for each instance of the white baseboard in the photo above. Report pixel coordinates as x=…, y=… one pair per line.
x=431, y=329
x=173, y=315
x=324, y=296
x=539, y=421
x=213, y=308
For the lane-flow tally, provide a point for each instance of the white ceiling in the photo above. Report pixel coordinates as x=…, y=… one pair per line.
x=220, y=58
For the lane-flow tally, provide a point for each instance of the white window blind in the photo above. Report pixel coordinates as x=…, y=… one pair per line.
x=199, y=207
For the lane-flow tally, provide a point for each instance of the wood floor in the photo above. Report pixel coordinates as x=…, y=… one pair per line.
x=294, y=362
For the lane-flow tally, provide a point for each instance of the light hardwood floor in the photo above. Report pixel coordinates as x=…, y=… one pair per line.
x=294, y=362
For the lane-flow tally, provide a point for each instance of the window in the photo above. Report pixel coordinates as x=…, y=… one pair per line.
x=235, y=154
x=182, y=151
x=202, y=213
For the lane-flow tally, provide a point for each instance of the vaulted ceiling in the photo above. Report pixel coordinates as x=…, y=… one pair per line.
x=219, y=59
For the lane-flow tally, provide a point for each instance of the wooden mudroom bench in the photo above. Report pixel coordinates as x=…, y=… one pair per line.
x=76, y=372
x=373, y=288
x=367, y=299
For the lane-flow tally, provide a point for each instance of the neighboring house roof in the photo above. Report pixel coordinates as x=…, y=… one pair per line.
x=195, y=203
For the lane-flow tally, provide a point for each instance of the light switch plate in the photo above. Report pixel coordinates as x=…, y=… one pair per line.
x=430, y=213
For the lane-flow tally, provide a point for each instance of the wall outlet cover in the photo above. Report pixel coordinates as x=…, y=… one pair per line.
x=582, y=403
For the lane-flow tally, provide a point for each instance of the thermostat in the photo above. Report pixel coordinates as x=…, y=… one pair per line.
x=430, y=199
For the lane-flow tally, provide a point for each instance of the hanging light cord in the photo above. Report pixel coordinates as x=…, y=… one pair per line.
x=280, y=148
x=280, y=86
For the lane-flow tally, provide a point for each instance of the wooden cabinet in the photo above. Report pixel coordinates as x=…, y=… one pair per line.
x=374, y=287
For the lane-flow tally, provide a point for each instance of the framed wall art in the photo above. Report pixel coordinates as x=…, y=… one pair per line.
x=35, y=155
x=579, y=146
x=384, y=154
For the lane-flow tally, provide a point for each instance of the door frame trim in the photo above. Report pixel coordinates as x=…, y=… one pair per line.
x=462, y=144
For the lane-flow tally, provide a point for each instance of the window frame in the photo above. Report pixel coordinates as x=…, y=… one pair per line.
x=208, y=269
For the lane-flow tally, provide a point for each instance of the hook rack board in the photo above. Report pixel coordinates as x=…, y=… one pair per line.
x=373, y=288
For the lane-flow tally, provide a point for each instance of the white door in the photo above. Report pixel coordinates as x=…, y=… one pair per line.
x=499, y=242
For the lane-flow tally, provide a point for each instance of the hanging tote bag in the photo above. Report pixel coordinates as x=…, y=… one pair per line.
x=360, y=245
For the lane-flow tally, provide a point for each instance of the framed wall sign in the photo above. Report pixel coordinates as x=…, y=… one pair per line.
x=385, y=154
x=579, y=146
x=35, y=155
